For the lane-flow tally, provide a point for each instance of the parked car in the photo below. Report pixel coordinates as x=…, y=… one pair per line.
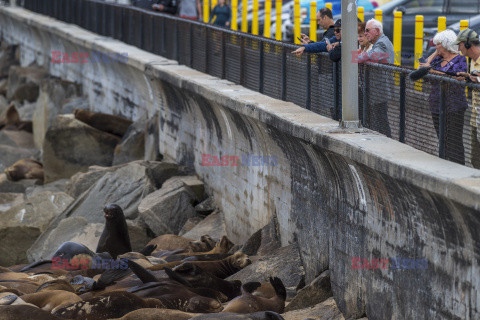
x=453, y=10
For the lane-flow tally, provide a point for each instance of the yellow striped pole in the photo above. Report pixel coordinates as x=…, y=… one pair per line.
x=268, y=18
x=418, y=39
x=278, y=21
x=213, y=4
x=397, y=37
x=360, y=13
x=244, y=16
x=379, y=15
x=442, y=24
x=255, y=18
x=206, y=11
x=234, y=23
x=296, y=21
x=313, y=21
x=463, y=24
x=328, y=5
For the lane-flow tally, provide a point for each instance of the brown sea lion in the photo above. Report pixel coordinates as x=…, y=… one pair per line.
x=12, y=121
x=51, y=300
x=205, y=244
x=220, y=268
x=249, y=303
x=58, y=284
x=156, y=314
x=103, y=122
x=221, y=247
x=114, y=239
x=25, y=169
x=16, y=312
x=114, y=304
x=170, y=242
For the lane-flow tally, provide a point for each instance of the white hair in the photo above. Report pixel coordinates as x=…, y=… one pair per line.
x=376, y=24
x=447, y=39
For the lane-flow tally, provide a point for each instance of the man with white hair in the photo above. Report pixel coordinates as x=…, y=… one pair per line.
x=382, y=50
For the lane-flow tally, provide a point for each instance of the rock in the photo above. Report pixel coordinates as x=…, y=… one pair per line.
x=54, y=93
x=152, y=139
x=70, y=104
x=19, y=139
x=26, y=111
x=206, y=207
x=22, y=224
x=8, y=200
x=4, y=104
x=75, y=229
x=191, y=222
x=264, y=240
x=3, y=87
x=143, y=178
x=56, y=186
x=318, y=291
x=71, y=146
x=7, y=58
x=15, y=186
x=213, y=225
x=195, y=184
x=24, y=82
x=81, y=181
x=9, y=155
x=140, y=234
x=284, y=263
x=168, y=209
x=326, y=310
x=132, y=146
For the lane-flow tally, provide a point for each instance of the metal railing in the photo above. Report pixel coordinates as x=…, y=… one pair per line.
x=422, y=114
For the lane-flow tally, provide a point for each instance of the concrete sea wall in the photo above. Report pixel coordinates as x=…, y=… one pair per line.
x=340, y=195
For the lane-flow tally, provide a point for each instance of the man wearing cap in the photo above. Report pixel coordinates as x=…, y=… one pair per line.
x=468, y=44
x=322, y=46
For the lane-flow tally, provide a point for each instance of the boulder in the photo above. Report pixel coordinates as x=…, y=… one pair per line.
x=23, y=82
x=4, y=104
x=9, y=155
x=8, y=200
x=213, y=225
x=54, y=93
x=316, y=292
x=56, y=186
x=168, y=209
x=143, y=178
x=71, y=146
x=284, y=263
x=21, y=225
x=15, y=186
x=326, y=310
x=70, y=104
x=81, y=181
x=206, y=207
x=3, y=87
x=75, y=229
x=26, y=111
x=132, y=146
x=140, y=234
x=17, y=139
x=264, y=240
x=191, y=222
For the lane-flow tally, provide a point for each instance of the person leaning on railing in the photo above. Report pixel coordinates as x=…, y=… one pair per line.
x=446, y=58
x=469, y=45
x=167, y=6
x=221, y=13
x=190, y=9
x=321, y=46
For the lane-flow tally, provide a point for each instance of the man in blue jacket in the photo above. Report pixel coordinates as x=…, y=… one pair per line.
x=321, y=46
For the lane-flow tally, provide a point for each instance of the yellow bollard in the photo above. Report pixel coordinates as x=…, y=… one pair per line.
x=296, y=21
x=418, y=39
x=379, y=15
x=244, y=16
x=463, y=24
x=313, y=21
x=268, y=19
x=328, y=5
x=255, y=18
x=360, y=13
x=278, y=21
x=206, y=11
x=442, y=24
x=397, y=37
x=213, y=4
x=234, y=23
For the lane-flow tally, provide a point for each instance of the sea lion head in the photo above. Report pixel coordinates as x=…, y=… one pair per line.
x=13, y=174
x=240, y=260
x=70, y=249
x=203, y=304
x=206, y=243
x=113, y=212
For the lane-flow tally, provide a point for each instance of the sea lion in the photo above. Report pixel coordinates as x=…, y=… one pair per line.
x=109, y=305
x=58, y=284
x=220, y=268
x=205, y=244
x=199, y=257
x=16, y=312
x=249, y=303
x=169, y=242
x=114, y=239
x=25, y=169
x=156, y=314
x=221, y=247
x=12, y=121
x=11, y=299
x=51, y=300
x=104, y=122
x=263, y=315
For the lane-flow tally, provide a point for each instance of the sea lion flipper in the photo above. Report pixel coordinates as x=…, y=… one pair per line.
x=143, y=274
x=174, y=276
x=279, y=288
x=34, y=264
x=148, y=249
x=187, y=267
x=8, y=300
x=109, y=277
x=250, y=286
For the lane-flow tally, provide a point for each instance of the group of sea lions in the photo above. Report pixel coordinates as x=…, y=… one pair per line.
x=171, y=278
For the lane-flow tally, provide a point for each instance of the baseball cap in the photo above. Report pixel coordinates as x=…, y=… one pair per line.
x=465, y=34
x=338, y=23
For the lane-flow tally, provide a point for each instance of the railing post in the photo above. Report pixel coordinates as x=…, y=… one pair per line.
x=401, y=137
x=223, y=55
x=284, y=74
x=336, y=94
x=308, y=83
x=366, y=74
x=206, y=49
x=242, y=60
x=261, y=68
x=442, y=119
x=191, y=45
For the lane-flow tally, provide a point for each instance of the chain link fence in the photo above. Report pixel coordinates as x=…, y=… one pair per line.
x=438, y=115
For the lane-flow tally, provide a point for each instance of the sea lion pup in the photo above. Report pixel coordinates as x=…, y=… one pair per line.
x=114, y=304
x=156, y=314
x=51, y=300
x=220, y=268
x=248, y=303
x=114, y=239
x=25, y=169
x=104, y=122
x=17, y=312
x=262, y=315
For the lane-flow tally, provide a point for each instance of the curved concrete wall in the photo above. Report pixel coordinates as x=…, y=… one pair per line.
x=340, y=195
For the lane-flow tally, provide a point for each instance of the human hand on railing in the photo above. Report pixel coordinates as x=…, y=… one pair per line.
x=299, y=51
x=423, y=64
x=227, y=23
x=158, y=7
x=304, y=39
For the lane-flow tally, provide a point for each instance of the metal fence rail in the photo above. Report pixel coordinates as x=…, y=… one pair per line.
x=437, y=115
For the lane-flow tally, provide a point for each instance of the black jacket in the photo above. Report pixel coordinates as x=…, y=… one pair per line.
x=336, y=53
x=170, y=6
x=328, y=33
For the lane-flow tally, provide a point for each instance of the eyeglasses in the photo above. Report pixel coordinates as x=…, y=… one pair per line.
x=337, y=30
x=367, y=30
